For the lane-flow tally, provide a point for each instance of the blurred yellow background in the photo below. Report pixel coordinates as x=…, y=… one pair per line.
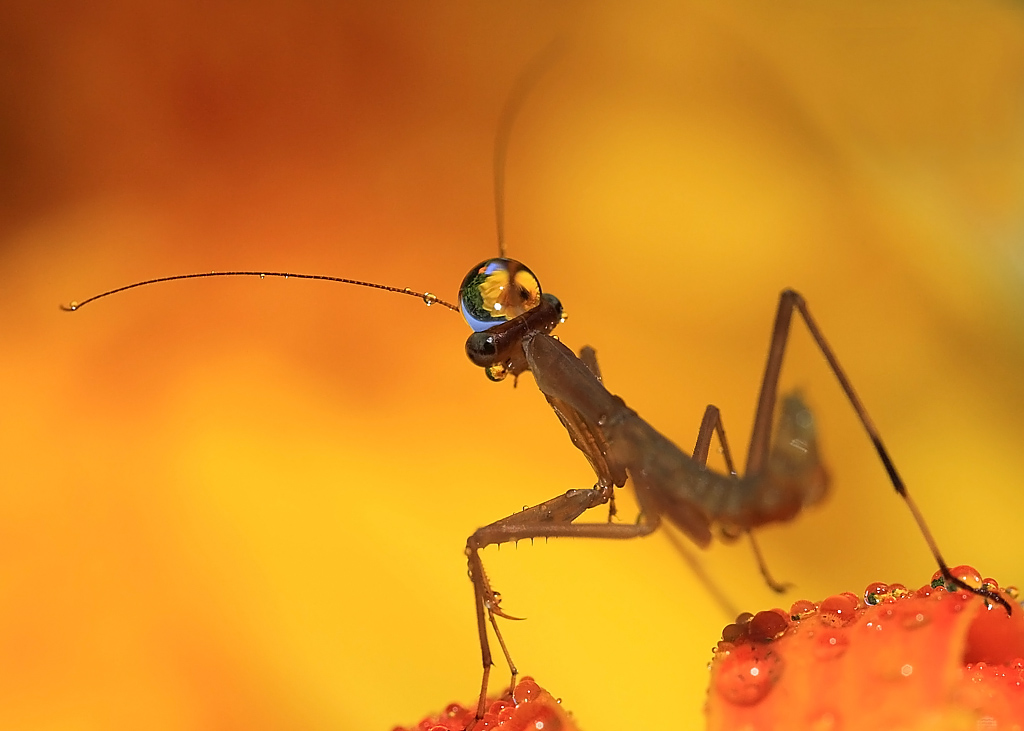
x=243, y=504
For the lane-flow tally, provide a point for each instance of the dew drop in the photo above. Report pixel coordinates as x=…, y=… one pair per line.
x=748, y=674
x=486, y=723
x=73, y=306
x=802, y=609
x=989, y=585
x=875, y=592
x=499, y=705
x=838, y=610
x=526, y=690
x=899, y=591
x=831, y=644
x=262, y=275
x=977, y=672
x=496, y=371
x=767, y=626
x=967, y=574
x=429, y=298
x=733, y=632
x=505, y=714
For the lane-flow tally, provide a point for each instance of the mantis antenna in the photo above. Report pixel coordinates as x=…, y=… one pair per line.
x=427, y=297
x=514, y=104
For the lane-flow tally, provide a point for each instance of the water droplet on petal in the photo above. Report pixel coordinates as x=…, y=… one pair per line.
x=802, y=609
x=767, y=626
x=505, y=714
x=838, y=610
x=748, y=674
x=875, y=592
x=967, y=574
x=486, y=723
x=526, y=690
x=733, y=632
x=898, y=591
x=977, y=672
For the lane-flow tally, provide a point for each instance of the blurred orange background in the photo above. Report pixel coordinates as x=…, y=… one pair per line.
x=243, y=504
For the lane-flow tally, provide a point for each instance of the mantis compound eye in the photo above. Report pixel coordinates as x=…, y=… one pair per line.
x=496, y=291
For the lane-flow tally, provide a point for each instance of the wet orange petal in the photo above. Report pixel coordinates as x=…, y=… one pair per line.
x=533, y=709
x=927, y=659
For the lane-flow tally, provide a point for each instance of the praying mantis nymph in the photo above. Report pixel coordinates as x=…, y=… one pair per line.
x=512, y=319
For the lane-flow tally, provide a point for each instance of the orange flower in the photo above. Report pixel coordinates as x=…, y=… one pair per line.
x=531, y=707
x=935, y=658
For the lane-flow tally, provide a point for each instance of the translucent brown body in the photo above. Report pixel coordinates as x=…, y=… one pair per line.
x=668, y=482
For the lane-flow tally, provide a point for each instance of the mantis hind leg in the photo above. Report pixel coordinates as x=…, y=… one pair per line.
x=790, y=301
x=710, y=425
